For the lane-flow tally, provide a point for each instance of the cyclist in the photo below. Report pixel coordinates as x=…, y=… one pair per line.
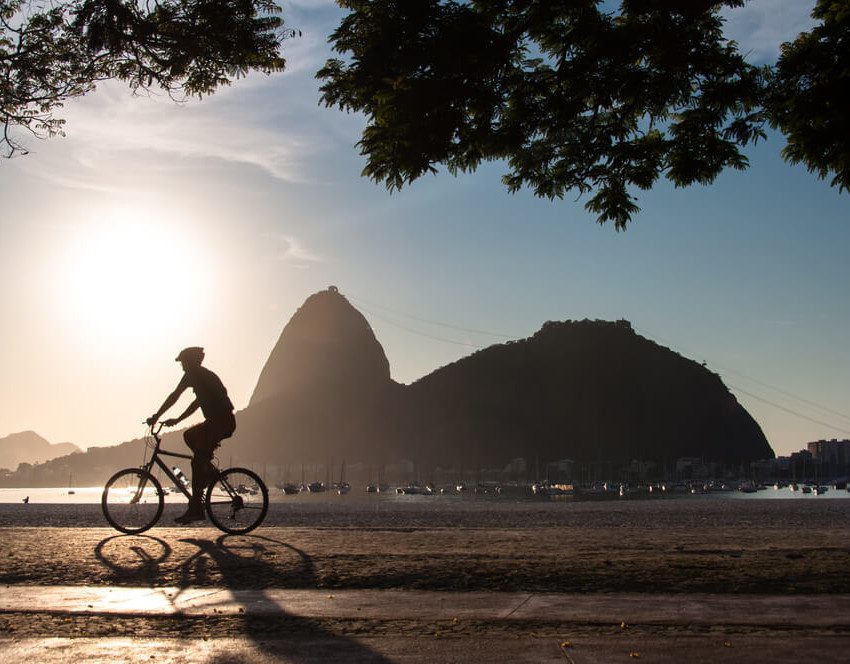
x=203, y=439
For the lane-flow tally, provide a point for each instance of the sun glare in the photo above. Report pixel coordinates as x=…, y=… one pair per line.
x=130, y=279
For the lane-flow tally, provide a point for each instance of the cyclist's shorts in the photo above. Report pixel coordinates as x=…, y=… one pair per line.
x=207, y=435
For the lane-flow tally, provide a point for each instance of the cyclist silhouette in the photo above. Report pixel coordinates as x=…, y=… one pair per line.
x=211, y=397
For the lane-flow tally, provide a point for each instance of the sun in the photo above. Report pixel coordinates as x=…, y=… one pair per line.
x=131, y=279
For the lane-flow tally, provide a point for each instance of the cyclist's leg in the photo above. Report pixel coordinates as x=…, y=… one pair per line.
x=214, y=430
x=203, y=439
x=198, y=440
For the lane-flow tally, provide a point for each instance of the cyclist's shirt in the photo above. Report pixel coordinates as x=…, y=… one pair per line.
x=209, y=391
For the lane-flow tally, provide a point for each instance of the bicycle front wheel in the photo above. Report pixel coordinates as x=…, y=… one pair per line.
x=237, y=501
x=132, y=500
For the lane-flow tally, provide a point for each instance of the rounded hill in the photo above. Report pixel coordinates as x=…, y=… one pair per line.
x=327, y=346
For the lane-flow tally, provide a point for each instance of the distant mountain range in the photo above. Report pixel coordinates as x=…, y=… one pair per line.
x=590, y=391
x=29, y=447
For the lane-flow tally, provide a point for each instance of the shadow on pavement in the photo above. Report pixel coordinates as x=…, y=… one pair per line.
x=133, y=558
x=228, y=562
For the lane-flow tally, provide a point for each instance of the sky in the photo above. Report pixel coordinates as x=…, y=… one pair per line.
x=154, y=225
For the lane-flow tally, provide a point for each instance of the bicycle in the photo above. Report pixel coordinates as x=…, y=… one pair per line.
x=133, y=499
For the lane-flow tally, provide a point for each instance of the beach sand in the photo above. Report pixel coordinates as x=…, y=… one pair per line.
x=668, y=546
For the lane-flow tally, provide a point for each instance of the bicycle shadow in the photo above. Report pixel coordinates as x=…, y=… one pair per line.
x=238, y=563
x=141, y=561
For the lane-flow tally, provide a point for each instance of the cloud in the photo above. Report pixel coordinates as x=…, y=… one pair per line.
x=761, y=26
x=246, y=127
x=288, y=249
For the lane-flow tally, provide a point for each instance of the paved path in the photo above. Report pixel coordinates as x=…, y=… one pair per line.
x=407, y=650
x=121, y=624
x=766, y=611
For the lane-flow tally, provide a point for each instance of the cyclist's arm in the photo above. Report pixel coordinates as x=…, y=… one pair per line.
x=191, y=409
x=170, y=400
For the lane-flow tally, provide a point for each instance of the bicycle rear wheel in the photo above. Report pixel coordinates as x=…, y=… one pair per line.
x=132, y=500
x=237, y=501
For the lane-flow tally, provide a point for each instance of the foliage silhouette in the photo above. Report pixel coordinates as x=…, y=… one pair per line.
x=575, y=96
x=52, y=52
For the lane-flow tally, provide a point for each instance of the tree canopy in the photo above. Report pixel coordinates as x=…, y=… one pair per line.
x=575, y=96
x=52, y=51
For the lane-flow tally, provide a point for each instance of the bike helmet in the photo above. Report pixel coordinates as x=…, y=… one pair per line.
x=191, y=354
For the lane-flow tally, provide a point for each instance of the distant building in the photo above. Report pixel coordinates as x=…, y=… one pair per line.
x=769, y=468
x=688, y=468
x=800, y=465
x=560, y=471
x=641, y=470
x=516, y=467
x=830, y=452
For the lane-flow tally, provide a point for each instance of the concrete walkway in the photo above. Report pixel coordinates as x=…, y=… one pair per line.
x=767, y=611
x=389, y=626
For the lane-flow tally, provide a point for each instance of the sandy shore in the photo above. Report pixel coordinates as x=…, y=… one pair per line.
x=713, y=546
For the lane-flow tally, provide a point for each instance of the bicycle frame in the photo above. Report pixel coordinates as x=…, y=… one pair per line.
x=155, y=459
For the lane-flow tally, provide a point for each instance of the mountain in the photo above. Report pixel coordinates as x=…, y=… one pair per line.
x=327, y=346
x=589, y=391
x=29, y=447
x=323, y=390
x=584, y=390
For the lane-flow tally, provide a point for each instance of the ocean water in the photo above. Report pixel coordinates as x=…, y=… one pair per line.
x=780, y=509
x=358, y=496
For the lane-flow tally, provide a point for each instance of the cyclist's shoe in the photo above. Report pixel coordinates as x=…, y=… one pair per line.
x=190, y=516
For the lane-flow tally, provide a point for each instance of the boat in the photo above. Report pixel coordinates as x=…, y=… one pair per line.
x=806, y=489
x=287, y=486
x=414, y=490
x=819, y=490
x=316, y=487
x=71, y=491
x=543, y=490
x=342, y=487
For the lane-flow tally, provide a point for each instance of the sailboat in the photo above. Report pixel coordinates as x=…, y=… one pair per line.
x=289, y=488
x=71, y=491
x=342, y=487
